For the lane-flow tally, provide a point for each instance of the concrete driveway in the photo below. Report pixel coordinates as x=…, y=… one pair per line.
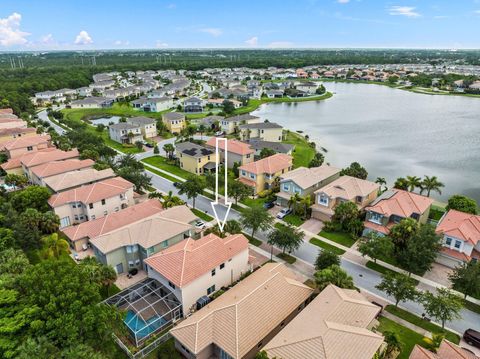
x=312, y=225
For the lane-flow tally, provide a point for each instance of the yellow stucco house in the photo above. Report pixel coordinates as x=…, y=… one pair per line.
x=174, y=121
x=195, y=158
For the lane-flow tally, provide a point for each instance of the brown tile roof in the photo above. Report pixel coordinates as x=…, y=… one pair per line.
x=91, y=193
x=419, y=352
x=307, y=177
x=460, y=225
x=148, y=232
x=23, y=142
x=271, y=164
x=233, y=146
x=349, y=188
x=447, y=350
x=15, y=130
x=187, y=260
x=58, y=167
x=47, y=155
x=400, y=203
x=241, y=317
x=113, y=221
x=334, y=325
x=64, y=181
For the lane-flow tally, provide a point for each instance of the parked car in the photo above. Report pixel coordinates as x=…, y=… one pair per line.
x=176, y=184
x=268, y=205
x=472, y=337
x=219, y=133
x=200, y=224
x=149, y=145
x=283, y=212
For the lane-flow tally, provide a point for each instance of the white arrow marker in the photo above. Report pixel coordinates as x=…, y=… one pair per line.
x=220, y=222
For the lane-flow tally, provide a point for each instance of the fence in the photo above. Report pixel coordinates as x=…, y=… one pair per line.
x=144, y=351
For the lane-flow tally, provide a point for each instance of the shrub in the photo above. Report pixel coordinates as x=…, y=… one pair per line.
x=265, y=193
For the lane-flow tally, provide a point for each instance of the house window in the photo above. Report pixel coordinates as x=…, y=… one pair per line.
x=448, y=241
x=137, y=262
x=286, y=187
x=93, y=216
x=164, y=244
x=130, y=264
x=105, y=213
x=208, y=158
x=171, y=285
x=199, y=160
x=248, y=156
x=323, y=200
x=213, y=272
x=211, y=290
x=458, y=244
x=103, y=202
x=222, y=265
x=29, y=148
x=116, y=209
x=375, y=218
x=244, y=173
x=90, y=205
x=252, y=176
x=76, y=217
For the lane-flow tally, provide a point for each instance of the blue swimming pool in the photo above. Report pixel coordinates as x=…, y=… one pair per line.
x=141, y=328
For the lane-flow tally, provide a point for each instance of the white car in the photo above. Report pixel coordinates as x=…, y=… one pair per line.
x=283, y=212
x=200, y=224
x=219, y=133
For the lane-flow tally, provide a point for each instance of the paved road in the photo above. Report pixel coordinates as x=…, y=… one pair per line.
x=363, y=277
x=42, y=115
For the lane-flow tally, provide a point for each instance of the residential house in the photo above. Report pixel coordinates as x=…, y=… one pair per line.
x=219, y=102
x=69, y=180
x=79, y=236
x=336, y=324
x=92, y=201
x=261, y=174
x=195, y=158
x=304, y=182
x=460, y=233
x=193, y=105
x=343, y=189
x=153, y=104
x=22, y=145
x=127, y=247
x=148, y=126
x=308, y=87
x=210, y=122
x=41, y=172
x=242, y=320
x=11, y=121
x=274, y=93
x=278, y=147
x=230, y=124
x=92, y=102
x=174, y=121
x=446, y=350
x=9, y=134
x=125, y=133
x=392, y=206
x=196, y=268
x=237, y=152
x=265, y=131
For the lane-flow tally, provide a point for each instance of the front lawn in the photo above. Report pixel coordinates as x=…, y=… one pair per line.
x=327, y=246
x=254, y=241
x=118, y=146
x=419, y=322
x=287, y=257
x=202, y=215
x=252, y=202
x=293, y=219
x=342, y=238
x=407, y=337
x=164, y=164
x=303, y=152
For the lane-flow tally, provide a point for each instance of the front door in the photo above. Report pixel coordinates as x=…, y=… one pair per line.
x=119, y=268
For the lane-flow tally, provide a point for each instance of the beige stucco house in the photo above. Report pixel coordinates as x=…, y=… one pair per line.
x=40, y=173
x=92, y=201
x=125, y=132
x=22, y=145
x=148, y=126
x=195, y=158
x=230, y=125
x=265, y=131
x=174, y=121
x=69, y=180
x=343, y=189
x=9, y=134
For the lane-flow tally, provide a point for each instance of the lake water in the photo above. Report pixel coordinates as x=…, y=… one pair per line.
x=393, y=133
x=105, y=120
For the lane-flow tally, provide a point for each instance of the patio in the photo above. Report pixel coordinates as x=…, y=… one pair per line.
x=123, y=281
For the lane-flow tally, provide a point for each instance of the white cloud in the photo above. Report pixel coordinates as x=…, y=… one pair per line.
x=10, y=33
x=83, y=38
x=407, y=11
x=280, y=45
x=47, y=39
x=161, y=44
x=343, y=1
x=252, y=42
x=121, y=43
x=214, y=31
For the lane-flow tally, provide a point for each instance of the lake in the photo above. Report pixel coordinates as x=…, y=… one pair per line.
x=392, y=133
x=105, y=120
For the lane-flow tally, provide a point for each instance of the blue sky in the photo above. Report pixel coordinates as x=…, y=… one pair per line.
x=108, y=24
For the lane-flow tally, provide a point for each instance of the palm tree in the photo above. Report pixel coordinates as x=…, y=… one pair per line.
x=413, y=182
x=393, y=343
x=293, y=202
x=431, y=184
x=107, y=275
x=54, y=246
x=169, y=200
x=169, y=150
x=306, y=202
x=382, y=182
x=201, y=129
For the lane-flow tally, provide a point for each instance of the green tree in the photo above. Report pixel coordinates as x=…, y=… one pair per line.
x=317, y=160
x=287, y=238
x=238, y=190
x=266, y=152
x=431, y=184
x=320, y=90
x=192, y=187
x=7, y=238
x=89, y=154
x=140, y=180
x=169, y=200
x=355, y=170
x=35, y=197
x=466, y=279
x=156, y=150
x=233, y=227
x=345, y=214
x=326, y=258
x=462, y=204
x=129, y=161
x=169, y=150
x=398, y=286
x=54, y=247
x=375, y=246
x=17, y=181
x=228, y=107
x=401, y=183
x=393, y=344
x=402, y=232
x=255, y=218
x=49, y=223
x=413, y=183
x=443, y=306
x=333, y=275
x=139, y=145
x=201, y=129
x=382, y=182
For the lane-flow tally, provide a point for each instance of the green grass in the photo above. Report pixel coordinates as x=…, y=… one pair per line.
x=324, y=245
x=436, y=212
x=293, y=219
x=342, y=238
x=161, y=174
x=287, y=257
x=419, y=322
x=163, y=164
x=165, y=351
x=252, y=202
x=407, y=337
x=202, y=215
x=303, y=152
x=118, y=146
x=118, y=109
x=254, y=241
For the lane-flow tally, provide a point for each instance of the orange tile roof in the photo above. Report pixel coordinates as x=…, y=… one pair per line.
x=17, y=162
x=234, y=146
x=248, y=182
x=58, y=167
x=23, y=142
x=455, y=254
x=6, y=110
x=91, y=193
x=460, y=225
x=401, y=203
x=47, y=155
x=376, y=227
x=271, y=164
x=112, y=221
x=189, y=259
x=14, y=130
x=447, y=350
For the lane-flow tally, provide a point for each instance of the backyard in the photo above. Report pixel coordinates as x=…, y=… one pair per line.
x=303, y=152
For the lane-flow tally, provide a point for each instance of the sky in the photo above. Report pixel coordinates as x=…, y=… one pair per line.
x=147, y=24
